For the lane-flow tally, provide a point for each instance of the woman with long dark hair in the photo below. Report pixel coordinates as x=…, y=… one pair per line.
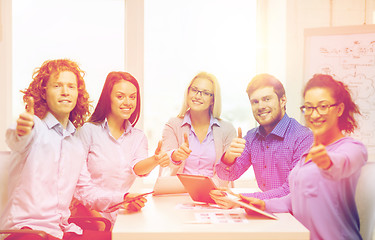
x=117, y=152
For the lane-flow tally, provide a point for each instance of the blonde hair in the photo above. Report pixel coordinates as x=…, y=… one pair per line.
x=215, y=109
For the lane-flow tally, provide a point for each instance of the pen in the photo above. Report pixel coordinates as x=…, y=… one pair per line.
x=131, y=200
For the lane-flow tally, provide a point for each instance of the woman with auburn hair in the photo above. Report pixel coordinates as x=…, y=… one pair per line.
x=197, y=138
x=323, y=184
x=116, y=151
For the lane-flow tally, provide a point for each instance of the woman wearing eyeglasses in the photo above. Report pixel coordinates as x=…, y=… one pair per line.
x=197, y=138
x=323, y=183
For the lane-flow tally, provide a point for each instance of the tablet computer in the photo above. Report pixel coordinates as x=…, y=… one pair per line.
x=198, y=187
x=168, y=185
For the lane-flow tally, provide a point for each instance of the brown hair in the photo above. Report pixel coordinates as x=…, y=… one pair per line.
x=341, y=94
x=103, y=108
x=265, y=80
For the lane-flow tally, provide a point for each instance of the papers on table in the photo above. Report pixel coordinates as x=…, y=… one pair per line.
x=219, y=217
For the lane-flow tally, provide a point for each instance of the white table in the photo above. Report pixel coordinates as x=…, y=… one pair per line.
x=163, y=218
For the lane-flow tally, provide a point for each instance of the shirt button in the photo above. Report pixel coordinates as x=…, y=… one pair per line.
x=265, y=166
x=264, y=184
x=267, y=147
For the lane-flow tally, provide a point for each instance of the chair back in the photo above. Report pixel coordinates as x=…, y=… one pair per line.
x=365, y=200
x=4, y=169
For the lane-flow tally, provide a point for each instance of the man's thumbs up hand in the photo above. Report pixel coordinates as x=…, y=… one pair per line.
x=25, y=121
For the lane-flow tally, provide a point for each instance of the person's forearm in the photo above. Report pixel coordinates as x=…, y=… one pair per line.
x=272, y=193
x=145, y=166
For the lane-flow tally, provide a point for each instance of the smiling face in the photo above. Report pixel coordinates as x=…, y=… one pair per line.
x=323, y=125
x=200, y=97
x=267, y=108
x=123, y=100
x=62, y=94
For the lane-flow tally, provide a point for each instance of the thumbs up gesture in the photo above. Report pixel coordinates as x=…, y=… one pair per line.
x=318, y=154
x=235, y=148
x=239, y=135
x=183, y=151
x=25, y=121
x=161, y=157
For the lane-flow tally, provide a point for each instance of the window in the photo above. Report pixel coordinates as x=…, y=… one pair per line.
x=91, y=35
x=183, y=38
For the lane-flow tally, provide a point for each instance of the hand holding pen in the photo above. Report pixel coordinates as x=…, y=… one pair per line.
x=132, y=202
x=220, y=196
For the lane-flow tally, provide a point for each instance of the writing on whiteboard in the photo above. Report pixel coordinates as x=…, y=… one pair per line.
x=349, y=58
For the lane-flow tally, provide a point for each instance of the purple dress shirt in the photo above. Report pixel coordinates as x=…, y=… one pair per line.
x=272, y=156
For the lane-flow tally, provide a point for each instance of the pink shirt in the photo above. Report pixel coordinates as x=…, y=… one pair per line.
x=110, y=161
x=46, y=167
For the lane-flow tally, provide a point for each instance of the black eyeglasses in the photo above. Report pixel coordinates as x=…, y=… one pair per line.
x=322, y=108
x=195, y=91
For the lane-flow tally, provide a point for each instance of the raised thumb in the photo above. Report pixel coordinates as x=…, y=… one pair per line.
x=239, y=132
x=186, y=139
x=316, y=139
x=158, y=149
x=30, y=105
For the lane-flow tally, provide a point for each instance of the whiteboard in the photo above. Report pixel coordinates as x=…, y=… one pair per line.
x=348, y=54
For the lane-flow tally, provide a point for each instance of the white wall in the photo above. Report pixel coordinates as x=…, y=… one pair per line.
x=5, y=68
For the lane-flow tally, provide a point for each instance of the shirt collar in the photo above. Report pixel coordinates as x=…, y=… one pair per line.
x=187, y=120
x=128, y=126
x=52, y=122
x=280, y=128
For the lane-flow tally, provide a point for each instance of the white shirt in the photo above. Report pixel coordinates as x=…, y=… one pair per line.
x=46, y=167
x=110, y=161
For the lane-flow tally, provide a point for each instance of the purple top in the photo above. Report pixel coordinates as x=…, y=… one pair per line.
x=201, y=160
x=273, y=156
x=324, y=200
